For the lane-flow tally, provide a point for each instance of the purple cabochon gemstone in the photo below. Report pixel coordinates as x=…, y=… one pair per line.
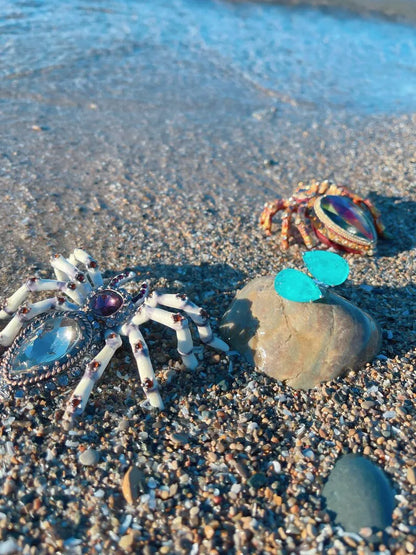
x=350, y=217
x=105, y=303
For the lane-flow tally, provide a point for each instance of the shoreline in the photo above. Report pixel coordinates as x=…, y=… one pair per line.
x=398, y=10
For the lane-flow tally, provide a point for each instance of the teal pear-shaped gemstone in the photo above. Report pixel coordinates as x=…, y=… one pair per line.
x=327, y=267
x=294, y=285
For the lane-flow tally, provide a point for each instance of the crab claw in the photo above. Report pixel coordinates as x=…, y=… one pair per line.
x=269, y=210
x=266, y=220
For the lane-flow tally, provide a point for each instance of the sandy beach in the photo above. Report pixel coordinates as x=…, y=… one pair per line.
x=163, y=168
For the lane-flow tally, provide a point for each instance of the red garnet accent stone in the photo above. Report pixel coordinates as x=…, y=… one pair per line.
x=148, y=384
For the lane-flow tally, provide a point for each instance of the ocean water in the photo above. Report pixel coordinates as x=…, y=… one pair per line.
x=188, y=91
x=315, y=56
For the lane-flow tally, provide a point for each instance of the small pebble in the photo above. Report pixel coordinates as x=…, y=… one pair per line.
x=89, y=457
x=133, y=482
x=411, y=475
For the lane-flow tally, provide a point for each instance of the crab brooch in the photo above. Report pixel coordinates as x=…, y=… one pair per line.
x=76, y=333
x=328, y=213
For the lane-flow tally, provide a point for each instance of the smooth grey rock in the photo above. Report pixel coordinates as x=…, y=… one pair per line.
x=89, y=457
x=303, y=344
x=359, y=494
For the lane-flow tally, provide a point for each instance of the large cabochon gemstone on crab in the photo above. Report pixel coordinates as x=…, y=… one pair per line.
x=330, y=213
x=78, y=331
x=344, y=219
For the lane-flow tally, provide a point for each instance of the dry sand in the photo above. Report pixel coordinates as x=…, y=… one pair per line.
x=199, y=455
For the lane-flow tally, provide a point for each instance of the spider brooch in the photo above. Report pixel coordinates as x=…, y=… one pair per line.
x=328, y=213
x=76, y=333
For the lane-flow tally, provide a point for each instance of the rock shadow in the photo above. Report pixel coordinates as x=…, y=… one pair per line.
x=399, y=218
x=241, y=307
x=391, y=307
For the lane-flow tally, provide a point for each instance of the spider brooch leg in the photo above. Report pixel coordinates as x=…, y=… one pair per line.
x=197, y=314
x=144, y=365
x=174, y=320
x=65, y=270
x=78, y=257
x=93, y=372
x=121, y=279
x=12, y=307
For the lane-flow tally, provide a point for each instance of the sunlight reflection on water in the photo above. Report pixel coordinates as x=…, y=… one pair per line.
x=322, y=57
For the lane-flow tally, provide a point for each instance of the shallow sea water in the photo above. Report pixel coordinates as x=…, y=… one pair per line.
x=157, y=84
x=105, y=102
x=315, y=56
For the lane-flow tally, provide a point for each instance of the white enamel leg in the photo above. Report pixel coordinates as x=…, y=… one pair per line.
x=178, y=323
x=32, y=285
x=144, y=365
x=93, y=372
x=196, y=313
x=62, y=266
x=26, y=313
x=80, y=256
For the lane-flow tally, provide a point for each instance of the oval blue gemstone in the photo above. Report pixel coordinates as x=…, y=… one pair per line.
x=106, y=303
x=50, y=341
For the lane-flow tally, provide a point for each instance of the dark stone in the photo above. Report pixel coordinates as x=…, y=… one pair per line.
x=257, y=480
x=359, y=494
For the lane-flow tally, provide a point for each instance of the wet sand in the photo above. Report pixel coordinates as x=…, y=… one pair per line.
x=176, y=195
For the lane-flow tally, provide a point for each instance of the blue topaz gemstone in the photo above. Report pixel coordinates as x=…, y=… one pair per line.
x=294, y=285
x=327, y=267
x=50, y=341
x=106, y=303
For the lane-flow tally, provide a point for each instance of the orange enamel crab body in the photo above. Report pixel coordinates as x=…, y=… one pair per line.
x=328, y=213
